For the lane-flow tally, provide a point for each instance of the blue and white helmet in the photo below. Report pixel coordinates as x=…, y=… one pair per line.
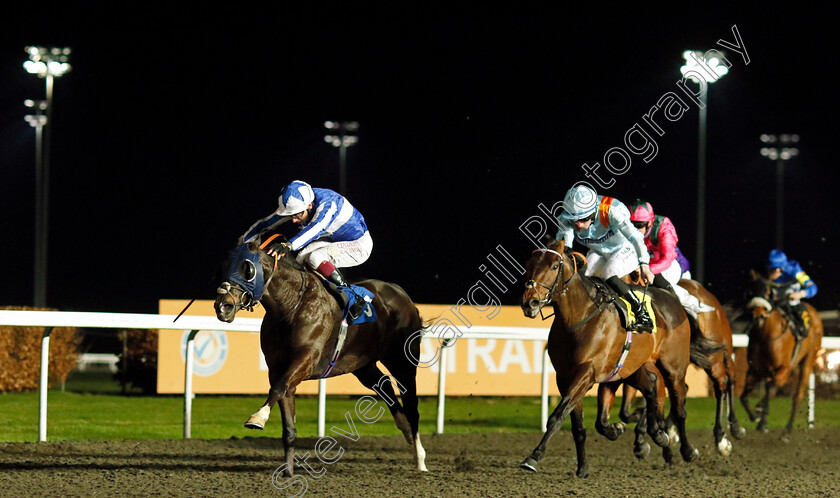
x=580, y=202
x=295, y=198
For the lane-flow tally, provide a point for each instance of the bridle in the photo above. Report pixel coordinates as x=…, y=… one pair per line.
x=246, y=299
x=532, y=284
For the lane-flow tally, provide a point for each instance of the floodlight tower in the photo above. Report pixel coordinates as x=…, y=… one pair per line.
x=702, y=70
x=780, y=149
x=342, y=140
x=47, y=63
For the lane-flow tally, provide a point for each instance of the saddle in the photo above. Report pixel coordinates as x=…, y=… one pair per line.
x=605, y=293
x=799, y=319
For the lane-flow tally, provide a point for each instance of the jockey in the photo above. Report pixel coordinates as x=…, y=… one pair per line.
x=616, y=249
x=787, y=275
x=333, y=234
x=665, y=263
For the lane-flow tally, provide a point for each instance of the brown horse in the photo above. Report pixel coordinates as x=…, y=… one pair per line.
x=585, y=345
x=772, y=354
x=300, y=331
x=713, y=327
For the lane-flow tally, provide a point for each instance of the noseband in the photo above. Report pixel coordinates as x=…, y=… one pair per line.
x=532, y=284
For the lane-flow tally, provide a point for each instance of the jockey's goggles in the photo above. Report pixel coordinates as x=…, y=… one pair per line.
x=588, y=218
x=640, y=224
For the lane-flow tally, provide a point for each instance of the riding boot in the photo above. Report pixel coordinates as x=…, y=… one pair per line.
x=643, y=322
x=356, y=310
x=801, y=320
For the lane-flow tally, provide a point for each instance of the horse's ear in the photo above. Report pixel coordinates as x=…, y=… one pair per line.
x=547, y=241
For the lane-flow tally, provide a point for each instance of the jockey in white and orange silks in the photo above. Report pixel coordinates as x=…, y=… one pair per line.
x=666, y=261
x=616, y=249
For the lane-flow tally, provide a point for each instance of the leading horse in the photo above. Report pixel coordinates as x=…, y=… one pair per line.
x=772, y=354
x=299, y=337
x=586, y=342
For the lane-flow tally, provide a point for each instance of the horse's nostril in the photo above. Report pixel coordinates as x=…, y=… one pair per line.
x=534, y=303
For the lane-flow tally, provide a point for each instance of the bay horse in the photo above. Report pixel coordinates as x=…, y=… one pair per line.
x=585, y=345
x=772, y=354
x=299, y=334
x=712, y=327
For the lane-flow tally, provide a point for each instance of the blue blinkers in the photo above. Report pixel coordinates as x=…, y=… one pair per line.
x=246, y=271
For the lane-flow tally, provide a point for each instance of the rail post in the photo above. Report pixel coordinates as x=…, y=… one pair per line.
x=188, y=375
x=45, y=376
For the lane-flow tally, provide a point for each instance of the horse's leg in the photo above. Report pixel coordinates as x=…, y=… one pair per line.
x=625, y=414
x=675, y=383
x=282, y=383
x=717, y=373
x=647, y=382
x=287, y=412
x=579, y=435
x=606, y=396
x=407, y=418
x=770, y=388
x=805, y=369
x=641, y=448
x=749, y=385
x=573, y=392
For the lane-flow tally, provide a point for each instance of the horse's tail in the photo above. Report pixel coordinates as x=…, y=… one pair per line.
x=701, y=349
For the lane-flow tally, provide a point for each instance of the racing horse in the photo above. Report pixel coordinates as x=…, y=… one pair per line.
x=299, y=337
x=586, y=342
x=713, y=326
x=772, y=353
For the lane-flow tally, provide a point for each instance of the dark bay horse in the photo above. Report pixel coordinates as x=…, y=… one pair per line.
x=585, y=345
x=300, y=331
x=772, y=354
x=713, y=328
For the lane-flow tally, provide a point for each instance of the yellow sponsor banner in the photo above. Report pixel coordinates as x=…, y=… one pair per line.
x=232, y=363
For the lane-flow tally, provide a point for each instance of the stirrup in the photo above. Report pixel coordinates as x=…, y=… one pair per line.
x=642, y=322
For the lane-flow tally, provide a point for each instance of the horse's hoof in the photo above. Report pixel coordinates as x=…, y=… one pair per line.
x=582, y=473
x=529, y=464
x=641, y=451
x=673, y=434
x=255, y=422
x=737, y=431
x=762, y=427
x=690, y=454
x=724, y=447
x=661, y=439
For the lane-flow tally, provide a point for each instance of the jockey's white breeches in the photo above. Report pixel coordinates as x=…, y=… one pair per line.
x=341, y=254
x=617, y=264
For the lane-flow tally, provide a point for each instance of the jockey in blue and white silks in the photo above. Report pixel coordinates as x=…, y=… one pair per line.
x=787, y=275
x=333, y=233
x=616, y=248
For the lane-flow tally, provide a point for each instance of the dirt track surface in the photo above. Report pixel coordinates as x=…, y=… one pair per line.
x=460, y=465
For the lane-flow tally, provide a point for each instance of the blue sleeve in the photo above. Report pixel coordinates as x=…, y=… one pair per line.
x=264, y=224
x=804, y=280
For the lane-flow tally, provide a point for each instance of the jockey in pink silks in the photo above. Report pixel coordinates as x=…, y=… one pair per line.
x=667, y=263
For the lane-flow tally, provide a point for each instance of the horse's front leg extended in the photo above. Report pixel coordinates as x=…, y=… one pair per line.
x=282, y=381
x=606, y=397
x=573, y=390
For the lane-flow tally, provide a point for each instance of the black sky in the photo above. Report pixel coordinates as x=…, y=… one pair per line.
x=177, y=128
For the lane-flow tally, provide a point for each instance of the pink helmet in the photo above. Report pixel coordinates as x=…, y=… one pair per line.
x=641, y=211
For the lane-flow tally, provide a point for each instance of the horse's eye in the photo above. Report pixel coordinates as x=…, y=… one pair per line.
x=248, y=270
x=554, y=267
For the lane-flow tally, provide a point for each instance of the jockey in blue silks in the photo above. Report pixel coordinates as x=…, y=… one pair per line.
x=616, y=247
x=333, y=233
x=787, y=275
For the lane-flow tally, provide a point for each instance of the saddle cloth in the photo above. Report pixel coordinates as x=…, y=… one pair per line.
x=368, y=314
x=626, y=312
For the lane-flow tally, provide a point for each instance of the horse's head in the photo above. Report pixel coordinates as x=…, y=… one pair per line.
x=547, y=273
x=243, y=282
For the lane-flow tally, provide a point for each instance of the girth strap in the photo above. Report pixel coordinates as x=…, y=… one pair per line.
x=624, y=352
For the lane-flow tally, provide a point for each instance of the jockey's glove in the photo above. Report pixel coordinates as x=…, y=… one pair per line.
x=279, y=248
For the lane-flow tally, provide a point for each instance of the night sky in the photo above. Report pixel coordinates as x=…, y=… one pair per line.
x=177, y=128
